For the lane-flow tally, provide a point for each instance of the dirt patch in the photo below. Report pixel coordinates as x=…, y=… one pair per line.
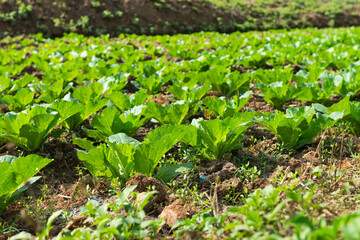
x=257, y=102
x=162, y=99
x=143, y=185
x=232, y=185
x=143, y=131
x=177, y=211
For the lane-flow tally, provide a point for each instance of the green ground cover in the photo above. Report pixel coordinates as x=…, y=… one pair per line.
x=280, y=106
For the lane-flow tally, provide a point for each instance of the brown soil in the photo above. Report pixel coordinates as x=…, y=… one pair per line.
x=54, y=18
x=143, y=184
x=176, y=211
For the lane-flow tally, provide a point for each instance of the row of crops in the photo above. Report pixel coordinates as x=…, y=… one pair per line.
x=107, y=89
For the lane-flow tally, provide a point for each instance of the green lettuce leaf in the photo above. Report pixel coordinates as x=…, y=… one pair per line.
x=19, y=100
x=90, y=98
x=297, y=127
x=350, y=111
x=227, y=108
x=111, y=122
x=15, y=172
x=175, y=113
x=122, y=156
x=214, y=138
x=30, y=129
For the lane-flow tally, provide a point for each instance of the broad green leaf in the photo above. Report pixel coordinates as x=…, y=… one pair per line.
x=67, y=109
x=124, y=139
x=216, y=137
x=97, y=161
x=31, y=129
x=84, y=143
x=89, y=109
x=297, y=127
x=15, y=173
x=111, y=122
x=87, y=94
x=175, y=113
x=350, y=113
x=170, y=171
x=227, y=108
x=278, y=93
x=20, y=100
x=185, y=93
x=155, y=145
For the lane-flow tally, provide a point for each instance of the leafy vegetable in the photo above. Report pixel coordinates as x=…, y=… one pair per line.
x=297, y=127
x=125, y=102
x=214, y=138
x=114, y=83
x=175, y=113
x=17, y=176
x=122, y=156
x=89, y=98
x=276, y=86
x=50, y=93
x=350, y=111
x=227, y=108
x=111, y=122
x=347, y=83
x=229, y=84
x=278, y=93
x=29, y=130
x=151, y=83
x=311, y=76
x=195, y=93
x=20, y=100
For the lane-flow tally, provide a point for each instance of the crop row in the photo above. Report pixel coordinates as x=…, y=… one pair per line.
x=49, y=87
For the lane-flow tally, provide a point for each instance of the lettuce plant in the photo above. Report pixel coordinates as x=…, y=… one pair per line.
x=311, y=92
x=30, y=129
x=275, y=86
x=111, y=122
x=18, y=102
x=114, y=83
x=125, y=102
x=297, y=127
x=90, y=98
x=50, y=93
x=343, y=84
x=347, y=83
x=193, y=93
x=214, y=138
x=350, y=111
x=20, y=83
x=311, y=76
x=278, y=93
x=229, y=84
x=122, y=156
x=227, y=108
x=151, y=83
x=18, y=175
x=175, y=113
x=274, y=75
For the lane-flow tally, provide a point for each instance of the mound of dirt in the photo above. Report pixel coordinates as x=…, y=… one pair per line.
x=143, y=184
